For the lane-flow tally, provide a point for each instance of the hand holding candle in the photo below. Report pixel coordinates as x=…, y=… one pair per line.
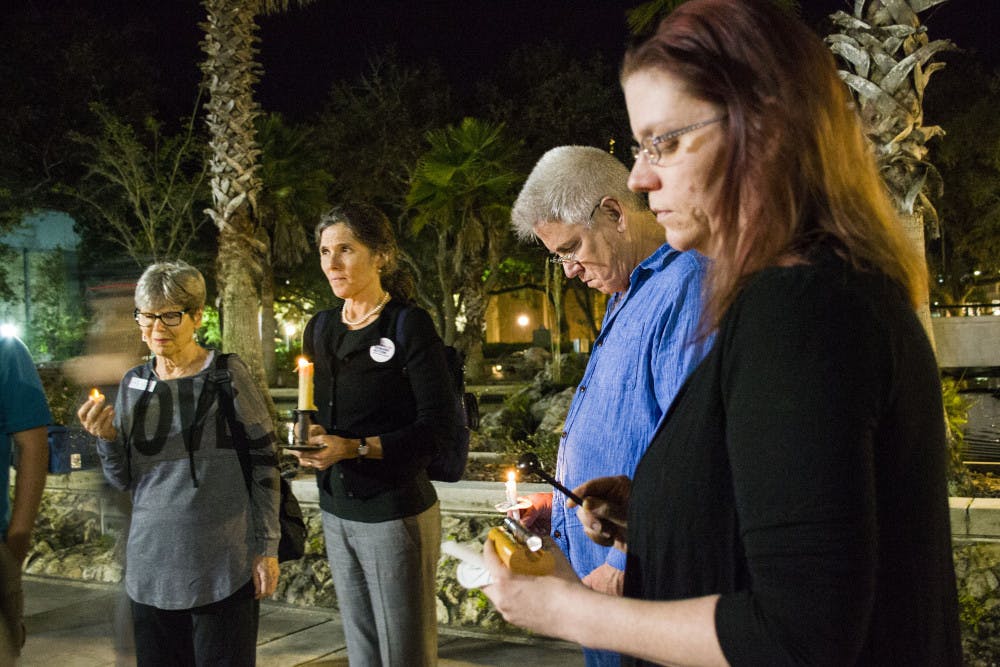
x=96, y=417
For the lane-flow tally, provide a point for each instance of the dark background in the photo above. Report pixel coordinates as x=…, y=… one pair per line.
x=304, y=50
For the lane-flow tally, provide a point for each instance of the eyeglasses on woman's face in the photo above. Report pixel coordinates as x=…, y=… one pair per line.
x=662, y=147
x=171, y=318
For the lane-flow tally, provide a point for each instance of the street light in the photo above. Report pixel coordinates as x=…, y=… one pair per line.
x=290, y=330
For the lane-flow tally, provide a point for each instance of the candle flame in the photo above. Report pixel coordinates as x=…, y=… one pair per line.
x=96, y=395
x=302, y=362
x=511, y=476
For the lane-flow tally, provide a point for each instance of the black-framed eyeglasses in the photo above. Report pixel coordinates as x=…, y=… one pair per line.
x=657, y=148
x=171, y=318
x=570, y=258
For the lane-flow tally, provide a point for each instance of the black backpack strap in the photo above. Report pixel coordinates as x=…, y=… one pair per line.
x=399, y=337
x=222, y=378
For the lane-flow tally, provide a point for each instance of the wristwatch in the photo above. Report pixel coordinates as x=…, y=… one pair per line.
x=362, y=448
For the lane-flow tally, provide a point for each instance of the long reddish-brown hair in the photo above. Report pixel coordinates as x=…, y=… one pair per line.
x=798, y=169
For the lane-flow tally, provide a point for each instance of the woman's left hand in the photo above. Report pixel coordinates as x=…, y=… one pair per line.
x=265, y=576
x=528, y=601
x=335, y=449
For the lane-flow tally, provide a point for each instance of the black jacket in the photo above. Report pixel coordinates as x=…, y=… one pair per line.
x=368, y=383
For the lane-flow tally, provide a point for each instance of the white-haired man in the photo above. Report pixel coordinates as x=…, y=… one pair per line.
x=576, y=201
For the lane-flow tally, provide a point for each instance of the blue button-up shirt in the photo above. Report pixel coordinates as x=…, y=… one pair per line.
x=647, y=347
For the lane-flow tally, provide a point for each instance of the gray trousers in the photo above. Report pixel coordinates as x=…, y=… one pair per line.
x=385, y=577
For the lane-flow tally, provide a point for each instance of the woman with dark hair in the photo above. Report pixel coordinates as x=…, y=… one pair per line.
x=203, y=539
x=792, y=508
x=384, y=409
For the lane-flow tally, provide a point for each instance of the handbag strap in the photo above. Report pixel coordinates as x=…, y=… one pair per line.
x=223, y=380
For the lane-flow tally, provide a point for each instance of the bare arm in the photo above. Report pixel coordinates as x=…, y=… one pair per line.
x=32, y=470
x=672, y=633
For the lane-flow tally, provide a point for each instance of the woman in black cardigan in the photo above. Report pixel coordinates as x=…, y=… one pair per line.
x=382, y=392
x=792, y=508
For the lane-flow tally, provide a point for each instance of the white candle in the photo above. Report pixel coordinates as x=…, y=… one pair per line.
x=305, y=371
x=512, y=494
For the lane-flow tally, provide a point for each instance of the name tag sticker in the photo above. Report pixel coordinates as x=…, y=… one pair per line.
x=141, y=384
x=384, y=351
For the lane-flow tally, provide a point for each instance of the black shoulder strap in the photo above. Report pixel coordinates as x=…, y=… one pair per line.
x=400, y=339
x=223, y=379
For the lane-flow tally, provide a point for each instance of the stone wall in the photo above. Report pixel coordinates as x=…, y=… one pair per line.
x=81, y=523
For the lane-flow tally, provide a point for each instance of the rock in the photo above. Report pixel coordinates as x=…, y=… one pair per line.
x=556, y=408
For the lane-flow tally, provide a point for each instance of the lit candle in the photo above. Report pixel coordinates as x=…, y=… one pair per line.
x=512, y=494
x=96, y=396
x=305, y=384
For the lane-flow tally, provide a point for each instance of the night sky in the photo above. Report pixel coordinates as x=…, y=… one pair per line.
x=305, y=50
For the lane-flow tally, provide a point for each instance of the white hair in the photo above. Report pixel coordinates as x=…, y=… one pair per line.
x=565, y=186
x=171, y=283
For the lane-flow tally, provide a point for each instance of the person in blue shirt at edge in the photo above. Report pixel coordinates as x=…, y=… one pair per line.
x=576, y=201
x=24, y=417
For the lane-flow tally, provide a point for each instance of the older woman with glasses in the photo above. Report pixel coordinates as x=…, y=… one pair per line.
x=202, y=546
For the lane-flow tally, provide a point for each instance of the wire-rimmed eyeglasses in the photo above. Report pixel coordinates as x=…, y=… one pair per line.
x=656, y=148
x=171, y=318
x=570, y=257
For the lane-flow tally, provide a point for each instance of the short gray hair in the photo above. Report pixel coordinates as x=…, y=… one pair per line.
x=565, y=185
x=171, y=283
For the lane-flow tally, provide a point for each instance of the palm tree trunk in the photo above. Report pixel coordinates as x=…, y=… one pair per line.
x=230, y=73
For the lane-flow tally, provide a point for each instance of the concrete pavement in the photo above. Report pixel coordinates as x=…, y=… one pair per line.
x=72, y=624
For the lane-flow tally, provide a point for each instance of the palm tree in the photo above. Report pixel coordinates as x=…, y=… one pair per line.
x=888, y=57
x=230, y=73
x=461, y=191
x=293, y=196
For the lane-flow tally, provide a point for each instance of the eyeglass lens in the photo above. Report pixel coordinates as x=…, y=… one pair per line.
x=170, y=318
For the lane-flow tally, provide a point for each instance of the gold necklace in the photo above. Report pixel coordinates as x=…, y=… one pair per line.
x=371, y=313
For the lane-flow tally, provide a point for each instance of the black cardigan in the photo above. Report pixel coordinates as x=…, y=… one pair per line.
x=402, y=396
x=800, y=473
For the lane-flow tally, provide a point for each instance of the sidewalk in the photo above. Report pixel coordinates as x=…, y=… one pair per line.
x=71, y=624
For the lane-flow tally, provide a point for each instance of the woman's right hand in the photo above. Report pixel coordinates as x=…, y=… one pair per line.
x=604, y=514
x=98, y=419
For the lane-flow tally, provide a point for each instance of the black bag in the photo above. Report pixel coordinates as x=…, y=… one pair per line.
x=449, y=464
x=293, y=527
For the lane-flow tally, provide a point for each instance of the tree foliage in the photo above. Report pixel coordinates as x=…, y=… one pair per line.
x=146, y=188
x=292, y=196
x=371, y=130
x=461, y=193
x=964, y=101
x=550, y=99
